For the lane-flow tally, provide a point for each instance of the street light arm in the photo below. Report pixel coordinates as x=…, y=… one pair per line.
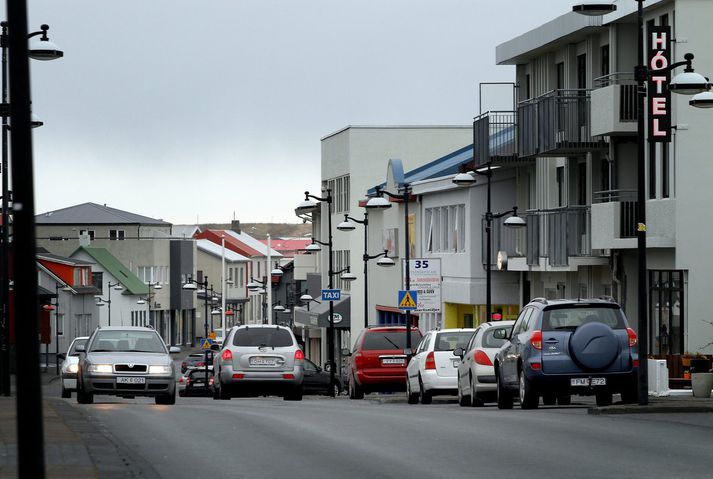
x=504, y=213
x=365, y=221
x=335, y=273
x=399, y=196
x=368, y=257
x=321, y=242
x=327, y=198
x=42, y=31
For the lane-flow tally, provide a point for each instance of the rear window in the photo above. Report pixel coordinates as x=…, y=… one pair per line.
x=450, y=341
x=377, y=340
x=571, y=318
x=269, y=337
x=495, y=337
x=198, y=373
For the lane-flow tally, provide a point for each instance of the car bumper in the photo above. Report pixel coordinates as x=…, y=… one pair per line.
x=261, y=380
x=561, y=384
x=434, y=383
x=107, y=385
x=70, y=384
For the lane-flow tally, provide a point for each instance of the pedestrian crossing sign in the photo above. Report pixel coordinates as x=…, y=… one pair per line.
x=408, y=299
x=205, y=343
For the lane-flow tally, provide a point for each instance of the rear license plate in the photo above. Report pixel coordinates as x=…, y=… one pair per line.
x=130, y=380
x=399, y=361
x=198, y=384
x=263, y=361
x=588, y=382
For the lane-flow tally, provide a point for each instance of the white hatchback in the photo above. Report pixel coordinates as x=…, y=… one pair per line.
x=432, y=369
x=476, y=375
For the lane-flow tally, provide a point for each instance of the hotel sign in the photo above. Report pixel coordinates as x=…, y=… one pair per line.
x=659, y=76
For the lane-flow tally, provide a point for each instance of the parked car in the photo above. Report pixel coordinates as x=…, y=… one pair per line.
x=476, y=375
x=377, y=362
x=70, y=364
x=432, y=369
x=316, y=380
x=259, y=360
x=196, y=382
x=126, y=361
x=562, y=347
x=194, y=360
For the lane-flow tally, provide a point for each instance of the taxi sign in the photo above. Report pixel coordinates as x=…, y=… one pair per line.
x=408, y=299
x=331, y=294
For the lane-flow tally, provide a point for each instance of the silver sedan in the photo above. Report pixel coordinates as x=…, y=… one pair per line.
x=70, y=364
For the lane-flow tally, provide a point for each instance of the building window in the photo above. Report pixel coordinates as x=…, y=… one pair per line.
x=604, y=60
x=340, y=262
x=666, y=309
x=115, y=235
x=87, y=232
x=445, y=229
x=560, y=185
x=60, y=324
x=665, y=177
x=98, y=281
x=340, y=193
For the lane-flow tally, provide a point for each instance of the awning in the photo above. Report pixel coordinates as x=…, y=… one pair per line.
x=318, y=314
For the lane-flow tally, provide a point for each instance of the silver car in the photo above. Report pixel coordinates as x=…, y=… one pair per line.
x=259, y=360
x=127, y=362
x=70, y=364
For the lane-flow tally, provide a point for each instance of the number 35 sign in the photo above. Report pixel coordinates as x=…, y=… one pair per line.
x=425, y=277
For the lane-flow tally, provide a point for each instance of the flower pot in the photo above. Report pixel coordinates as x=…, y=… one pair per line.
x=702, y=383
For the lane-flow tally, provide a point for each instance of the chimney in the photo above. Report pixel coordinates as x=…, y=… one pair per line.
x=235, y=226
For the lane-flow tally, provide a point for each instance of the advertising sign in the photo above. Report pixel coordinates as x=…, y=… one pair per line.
x=658, y=59
x=425, y=276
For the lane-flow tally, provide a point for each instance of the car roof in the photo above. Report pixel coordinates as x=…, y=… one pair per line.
x=456, y=330
x=492, y=324
x=125, y=328
x=549, y=303
x=389, y=328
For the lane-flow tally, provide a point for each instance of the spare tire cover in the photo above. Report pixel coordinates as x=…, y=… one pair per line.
x=594, y=346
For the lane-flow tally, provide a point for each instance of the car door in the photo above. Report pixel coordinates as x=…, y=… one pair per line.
x=418, y=360
x=520, y=342
x=311, y=378
x=467, y=364
x=509, y=353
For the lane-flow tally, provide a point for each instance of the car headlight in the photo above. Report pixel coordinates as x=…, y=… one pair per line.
x=101, y=369
x=73, y=368
x=159, y=369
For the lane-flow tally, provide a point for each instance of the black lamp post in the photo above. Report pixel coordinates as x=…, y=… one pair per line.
x=192, y=285
x=689, y=83
x=256, y=285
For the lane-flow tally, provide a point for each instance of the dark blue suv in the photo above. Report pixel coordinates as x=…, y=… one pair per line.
x=562, y=347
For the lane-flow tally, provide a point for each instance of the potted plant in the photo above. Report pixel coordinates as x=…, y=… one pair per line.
x=701, y=374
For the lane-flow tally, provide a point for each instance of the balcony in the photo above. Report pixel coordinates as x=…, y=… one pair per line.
x=495, y=138
x=614, y=105
x=557, y=123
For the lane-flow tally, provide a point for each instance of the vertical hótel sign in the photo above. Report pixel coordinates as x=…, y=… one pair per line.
x=658, y=60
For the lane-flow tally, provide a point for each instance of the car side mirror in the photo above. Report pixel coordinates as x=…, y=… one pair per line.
x=459, y=352
x=327, y=367
x=174, y=350
x=346, y=352
x=61, y=356
x=215, y=347
x=81, y=348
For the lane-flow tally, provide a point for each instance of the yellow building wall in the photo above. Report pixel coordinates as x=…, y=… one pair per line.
x=456, y=315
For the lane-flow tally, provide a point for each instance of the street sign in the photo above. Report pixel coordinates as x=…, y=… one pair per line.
x=331, y=294
x=337, y=318
x=425, y=278
x=408, y=299
x=205, y=343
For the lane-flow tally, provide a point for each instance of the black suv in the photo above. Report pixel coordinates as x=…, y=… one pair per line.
x=562, y=347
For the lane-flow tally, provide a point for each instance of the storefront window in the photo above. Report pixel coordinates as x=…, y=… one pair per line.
x=666, y=310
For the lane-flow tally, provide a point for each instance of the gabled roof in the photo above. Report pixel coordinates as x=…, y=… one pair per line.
x=43, y=254
x=116, y=268
x=253, y=243
x=288, y=244
x=241, y=243
x=214, y=249
x=184, y=231
x=92, y=213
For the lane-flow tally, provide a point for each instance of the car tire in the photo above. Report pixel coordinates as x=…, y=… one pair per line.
x=504, y=397
x=166, y=399
x=549, y=399
x=355, y=392
x=463, y=400
x=294, y=395
x=475, y=399
x=424, y=396
x=604, y=399
x=337, y=388
x=66, y=393
x=411, y=397
x=630, y=395
x=84, y=397
x=528, y=397
x=565, y=400
x=223, y=392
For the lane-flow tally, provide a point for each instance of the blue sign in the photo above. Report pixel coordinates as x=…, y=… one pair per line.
x=331, y=294
x=408, y=299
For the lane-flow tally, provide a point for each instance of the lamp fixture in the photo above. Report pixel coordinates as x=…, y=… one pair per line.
x=377, y=203
x=594, y=9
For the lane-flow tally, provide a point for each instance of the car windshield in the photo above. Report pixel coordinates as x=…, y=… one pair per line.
x=268, y=337
x=495, y=337
x=378, y=340
x=77, y=342
x=127, y=341
x=450, y=341
x=571, y=318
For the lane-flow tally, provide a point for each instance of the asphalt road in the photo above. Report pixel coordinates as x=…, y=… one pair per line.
x=328, y=438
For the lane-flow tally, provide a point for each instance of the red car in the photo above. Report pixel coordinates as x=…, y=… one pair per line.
x=378, y=360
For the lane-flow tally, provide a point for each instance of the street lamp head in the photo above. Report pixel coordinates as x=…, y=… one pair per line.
x=313, y=248
x=594, y=9
x=118, y=287
x=306, y=297
x=702, y=100
x=377, y=203
x=45, y=49
x=346, y=225
x=276, y=272
x=515, y=221
x=141, y=301
x=307, y=206
x=464, y=179
x=189, y=286
x=261, y=291
x=348, y=276
x=287, y=310
x=35, y=121
x=385, y=262
x=156, y=286
x=215, y=312
x=278, y=308
x=689, y=82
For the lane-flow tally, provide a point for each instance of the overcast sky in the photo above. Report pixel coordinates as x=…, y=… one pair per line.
x=192, y=110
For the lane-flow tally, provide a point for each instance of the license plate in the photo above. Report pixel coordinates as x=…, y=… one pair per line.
x=263, y=361
x=130, y=380
x=198, y=384
x=393, y=361
x=588, y=382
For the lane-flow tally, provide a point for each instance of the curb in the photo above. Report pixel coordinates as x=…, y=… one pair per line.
x=656, y=409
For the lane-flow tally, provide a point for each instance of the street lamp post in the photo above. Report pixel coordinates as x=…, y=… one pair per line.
x=149, y=298
x=192, y=285
x=687, y=83
x=258, y=286
x=117, y=286
x=57, y=289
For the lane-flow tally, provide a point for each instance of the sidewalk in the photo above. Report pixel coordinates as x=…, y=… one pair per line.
x=74, y=446
x=657, y=405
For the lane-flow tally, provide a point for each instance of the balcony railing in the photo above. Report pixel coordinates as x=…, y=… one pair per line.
x=559, y=234
x=495, y=137
x=628, y=217
x=510, y=240
x=627, y=93
x=556, y=123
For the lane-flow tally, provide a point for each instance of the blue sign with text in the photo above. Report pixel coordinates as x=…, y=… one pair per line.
x=331, y=294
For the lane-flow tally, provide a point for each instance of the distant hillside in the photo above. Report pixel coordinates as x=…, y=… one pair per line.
x=261, y=230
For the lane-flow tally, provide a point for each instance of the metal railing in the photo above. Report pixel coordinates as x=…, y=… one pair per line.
x=556, y=123
x=559, y=234
x=494, y=136
x=510, y=240
x=627, y=93
x=628, y=217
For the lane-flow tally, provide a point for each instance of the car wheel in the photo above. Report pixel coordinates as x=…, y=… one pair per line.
x=337, y=389
x=294, y=395
x=604, y=399
x=425, y=396
x=66, y=393
x=564, y=400
x=355, y=392
x=504, y=397
x=528, y=397
x=84, y=397
x=166, y=399
x=223, y=392
x=475, y=400
x=549, y=399
x=411, y=397
x=463, y=400
x=630, y=395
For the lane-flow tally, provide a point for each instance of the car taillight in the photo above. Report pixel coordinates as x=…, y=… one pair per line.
x=430, y=361
x=238, y=376
x=635, y=363
x=632, y=337
x=288, y=376
x=536, y=339
x=481, y=358
x=227, y=355
x=299, y=355
x=180, y=381
x=188, y=381
x=536, y=366
x=210, y=381
x=200, y=365
x=358, y=360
